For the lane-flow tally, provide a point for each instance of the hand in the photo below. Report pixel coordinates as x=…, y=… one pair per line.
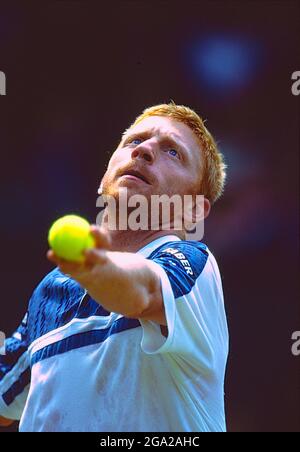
x=97, y=255
x=108, y=277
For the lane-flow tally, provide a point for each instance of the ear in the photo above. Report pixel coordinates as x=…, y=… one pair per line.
x=196, y=211
x=207, y=207
x=100, y=189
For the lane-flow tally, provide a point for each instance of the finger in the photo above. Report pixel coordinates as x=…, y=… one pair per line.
x=101, y=237
x=95, y=256
x=68, y=267
x=51, y=256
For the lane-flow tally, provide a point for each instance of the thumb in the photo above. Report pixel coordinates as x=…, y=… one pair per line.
x=101, y=238
x=95, y=256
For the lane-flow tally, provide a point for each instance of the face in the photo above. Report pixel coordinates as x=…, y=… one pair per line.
x=157, y=156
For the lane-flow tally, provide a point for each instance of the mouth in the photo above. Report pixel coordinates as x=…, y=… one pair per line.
x=133, y=174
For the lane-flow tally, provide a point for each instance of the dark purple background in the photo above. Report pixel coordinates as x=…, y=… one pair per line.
x=79, y=72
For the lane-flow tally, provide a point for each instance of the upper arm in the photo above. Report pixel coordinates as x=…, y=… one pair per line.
x=182, y=266
x=155, y=310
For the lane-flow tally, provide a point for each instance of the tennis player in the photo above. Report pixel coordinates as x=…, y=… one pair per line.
x=135, y=338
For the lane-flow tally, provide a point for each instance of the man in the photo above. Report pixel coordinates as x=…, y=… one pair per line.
x=135, y=337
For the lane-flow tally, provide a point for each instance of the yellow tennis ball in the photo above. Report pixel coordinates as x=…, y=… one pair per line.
x=69, y=236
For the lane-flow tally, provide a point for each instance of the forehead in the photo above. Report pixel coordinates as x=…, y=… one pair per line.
x=178, y=131
x=161, y=125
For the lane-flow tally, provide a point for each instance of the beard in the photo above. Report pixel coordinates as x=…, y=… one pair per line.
x=117, y=196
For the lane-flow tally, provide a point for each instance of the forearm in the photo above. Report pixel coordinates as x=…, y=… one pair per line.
x=125, y=283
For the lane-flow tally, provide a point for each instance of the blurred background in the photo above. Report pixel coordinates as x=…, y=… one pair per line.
x=79, y=72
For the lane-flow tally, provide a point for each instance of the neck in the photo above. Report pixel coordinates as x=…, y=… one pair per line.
x=132, y=241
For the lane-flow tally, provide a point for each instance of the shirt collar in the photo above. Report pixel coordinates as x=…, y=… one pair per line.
x=152, y=246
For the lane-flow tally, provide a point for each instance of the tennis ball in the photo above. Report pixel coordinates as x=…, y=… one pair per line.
x=69, y=236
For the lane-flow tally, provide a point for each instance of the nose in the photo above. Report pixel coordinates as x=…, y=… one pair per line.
x=144, y=151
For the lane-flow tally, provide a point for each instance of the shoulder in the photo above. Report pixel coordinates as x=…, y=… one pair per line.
x=53, y=303
x=184, y=262
x=191, y=255
x=55, y=281
x=188, y=245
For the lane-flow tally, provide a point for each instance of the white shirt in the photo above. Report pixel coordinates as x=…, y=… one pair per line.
x=73, y=366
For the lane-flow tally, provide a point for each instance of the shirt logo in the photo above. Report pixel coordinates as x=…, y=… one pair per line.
x=182, y=259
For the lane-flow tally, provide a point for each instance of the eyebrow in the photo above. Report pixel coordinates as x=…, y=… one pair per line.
x=171, y=137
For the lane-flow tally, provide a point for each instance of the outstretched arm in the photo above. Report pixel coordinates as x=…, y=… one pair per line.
x=122, y=282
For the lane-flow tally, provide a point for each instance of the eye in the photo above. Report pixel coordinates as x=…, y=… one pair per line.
x=136, y=141
x=174, y=152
